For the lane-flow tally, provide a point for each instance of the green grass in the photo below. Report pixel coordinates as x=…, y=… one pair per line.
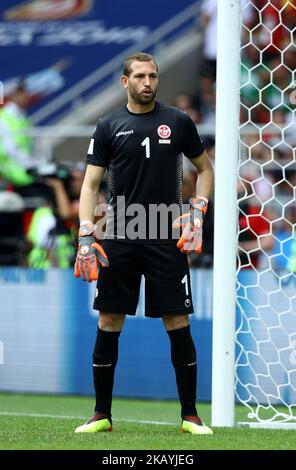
x=29, y=432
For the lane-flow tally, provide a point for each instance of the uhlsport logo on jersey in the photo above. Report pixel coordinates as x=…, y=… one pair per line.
x=124, y=133
x=164, y=133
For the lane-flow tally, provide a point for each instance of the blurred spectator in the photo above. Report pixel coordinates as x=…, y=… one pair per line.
x=208, y=105
x=255, y=236
x=267, y=28
x=62, y=201
x=209, y=22
x=260, y=185
x=41, y=83
x=283, y=253
x=207, y=98
x=54, y=227
x=16, y=147
x=184, y=101
x=209, y=10
x=73, y=190
x=20, y=168
x=268, y=62
x=77, y=176
x=270, y=24
x=194, y=115
x=187, y=103
x=41, y=227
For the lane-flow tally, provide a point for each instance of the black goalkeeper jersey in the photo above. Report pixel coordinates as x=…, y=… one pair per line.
x=143, y=155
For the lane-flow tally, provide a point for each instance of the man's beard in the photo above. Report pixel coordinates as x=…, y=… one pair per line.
x=142, y=98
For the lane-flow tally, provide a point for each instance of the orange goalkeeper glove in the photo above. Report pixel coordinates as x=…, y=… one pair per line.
x=191, y=223
x=89, y=254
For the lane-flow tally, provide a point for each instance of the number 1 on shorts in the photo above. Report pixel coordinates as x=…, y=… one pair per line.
x=185, y=281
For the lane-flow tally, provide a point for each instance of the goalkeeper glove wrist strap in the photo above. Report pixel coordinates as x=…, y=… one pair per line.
x=86, y=228
x=199, y=203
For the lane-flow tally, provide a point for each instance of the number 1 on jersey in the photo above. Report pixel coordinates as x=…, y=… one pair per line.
x=146, y=144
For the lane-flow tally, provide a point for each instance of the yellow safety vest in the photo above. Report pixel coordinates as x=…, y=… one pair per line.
x=10, y=169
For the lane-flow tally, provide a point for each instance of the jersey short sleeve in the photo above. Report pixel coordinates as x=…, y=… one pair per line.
x=98, y=151
x=192, y=143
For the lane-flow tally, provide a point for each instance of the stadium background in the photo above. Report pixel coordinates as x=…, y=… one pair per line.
x=70, y=63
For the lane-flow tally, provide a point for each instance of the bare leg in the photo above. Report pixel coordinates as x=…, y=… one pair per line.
x=111, y=322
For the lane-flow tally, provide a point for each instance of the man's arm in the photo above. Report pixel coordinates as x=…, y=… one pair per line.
x=89, y=192
x=90, y=254
x=191, y=222
x=205, y=180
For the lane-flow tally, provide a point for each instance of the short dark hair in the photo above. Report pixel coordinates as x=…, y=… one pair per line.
x=137, y=56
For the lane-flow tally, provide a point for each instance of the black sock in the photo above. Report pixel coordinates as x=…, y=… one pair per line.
x=183, y=356
x=105, y=357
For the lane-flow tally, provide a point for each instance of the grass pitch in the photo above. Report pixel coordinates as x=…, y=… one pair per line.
x=48, y=422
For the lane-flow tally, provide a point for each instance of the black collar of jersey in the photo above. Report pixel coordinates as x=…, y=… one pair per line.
x=154, y=110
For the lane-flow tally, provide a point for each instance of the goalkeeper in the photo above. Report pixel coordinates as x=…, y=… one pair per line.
x=141, y=145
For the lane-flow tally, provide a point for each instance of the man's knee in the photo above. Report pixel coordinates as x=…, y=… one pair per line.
x=175, y=322
x=111, y=321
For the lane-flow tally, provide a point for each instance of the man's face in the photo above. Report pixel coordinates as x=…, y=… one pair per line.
x=22, y=98
x=142, y=82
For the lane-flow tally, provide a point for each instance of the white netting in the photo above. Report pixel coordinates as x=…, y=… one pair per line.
x=266, y=277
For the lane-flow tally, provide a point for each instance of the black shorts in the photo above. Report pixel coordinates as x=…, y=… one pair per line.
x=167, y=279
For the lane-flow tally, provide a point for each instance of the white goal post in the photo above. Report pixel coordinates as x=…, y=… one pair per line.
x=254, y=288
x=226, y=163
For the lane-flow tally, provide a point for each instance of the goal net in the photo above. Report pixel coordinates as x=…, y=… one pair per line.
x=266, y=274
